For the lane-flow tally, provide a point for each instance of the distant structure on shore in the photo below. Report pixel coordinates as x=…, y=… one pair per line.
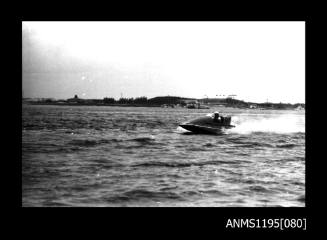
x=74, y=100
x=168, y=101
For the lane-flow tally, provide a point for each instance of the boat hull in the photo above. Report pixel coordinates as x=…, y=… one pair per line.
x=204, y=129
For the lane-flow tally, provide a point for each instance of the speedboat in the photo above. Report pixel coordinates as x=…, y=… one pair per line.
x=209, y=124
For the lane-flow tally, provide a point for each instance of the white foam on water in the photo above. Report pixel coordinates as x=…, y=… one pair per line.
x=180, y=130
x=288, y=123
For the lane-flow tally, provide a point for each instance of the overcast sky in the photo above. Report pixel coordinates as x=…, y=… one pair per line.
x=254, y=60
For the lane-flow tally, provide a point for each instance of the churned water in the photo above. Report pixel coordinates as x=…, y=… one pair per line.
x=135, y=156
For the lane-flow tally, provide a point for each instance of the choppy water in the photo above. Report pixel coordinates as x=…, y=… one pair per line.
x=125, y=156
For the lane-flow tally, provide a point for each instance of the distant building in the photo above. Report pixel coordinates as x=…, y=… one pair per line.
x=214, y=101
x=75, y=100
x=189, y=101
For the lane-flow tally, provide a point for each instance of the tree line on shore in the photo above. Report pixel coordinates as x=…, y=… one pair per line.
x=144, y=100
x=138, y=100
x=169, y=100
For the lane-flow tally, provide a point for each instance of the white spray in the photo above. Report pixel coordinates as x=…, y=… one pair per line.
x=286, y=123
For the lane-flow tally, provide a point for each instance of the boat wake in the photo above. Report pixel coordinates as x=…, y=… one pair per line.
x=281, y=124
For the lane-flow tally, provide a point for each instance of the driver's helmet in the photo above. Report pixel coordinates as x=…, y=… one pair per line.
x=216, y=114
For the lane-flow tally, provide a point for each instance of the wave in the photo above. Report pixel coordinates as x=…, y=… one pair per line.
x=196, y=149
x=185, y=164
x=290, y=145
x=69, y=147
x=293, y=159
x=49, y=148
x=143, y=139
x=255, y=144
x=242, y=143
x=214, y=192
x=83, y=142
x=259, y=188
x=137, y=194
x=94, y=142
x=80, y=144
x=209, y=145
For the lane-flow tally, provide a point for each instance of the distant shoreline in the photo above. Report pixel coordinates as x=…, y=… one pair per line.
x=143, y=105
x=92, y=104
x=166, y=102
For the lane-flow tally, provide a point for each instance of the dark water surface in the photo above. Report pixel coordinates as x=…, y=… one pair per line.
x=130, y=156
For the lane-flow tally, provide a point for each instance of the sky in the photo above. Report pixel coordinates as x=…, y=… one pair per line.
x=256, y=61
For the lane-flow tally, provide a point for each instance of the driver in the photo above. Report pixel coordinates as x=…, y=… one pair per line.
x=216, y=117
